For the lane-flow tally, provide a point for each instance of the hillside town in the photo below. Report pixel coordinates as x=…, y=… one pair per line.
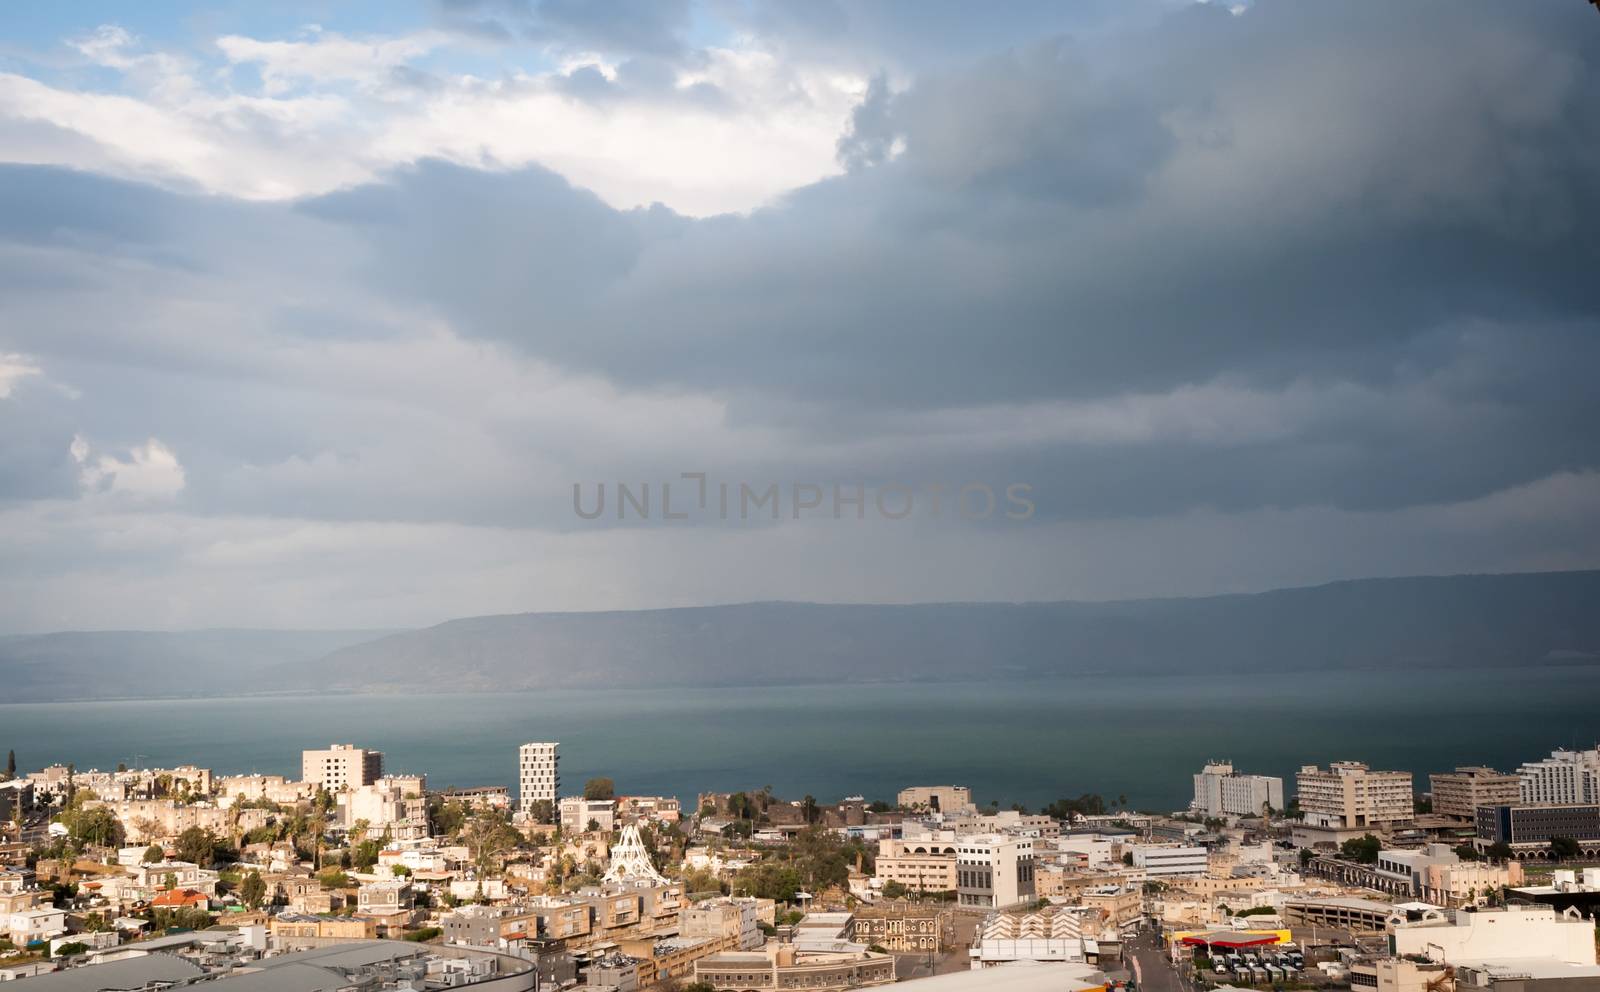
x=352, y=876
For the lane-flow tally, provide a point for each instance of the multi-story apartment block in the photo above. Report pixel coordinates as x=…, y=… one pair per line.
x=919, y=864
x=1564, y=777
x=995, y=871
x=1461, y=792
x=538, y=774
x=341, y=766
x=1221, y=791
x=577, y=814
x=1348, y=794
x=937, y=799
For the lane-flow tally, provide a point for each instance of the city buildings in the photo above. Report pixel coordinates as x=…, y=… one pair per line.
x=341, y=766
x=1220, y=791
x=921, y=864
x=1169, y=860
x=1348, y=794
x=579, y=815
x=1461, y=792
x=788, y=968
x=1566, y=777
x=1532, y=828
x=1499, y=933
x=994, y=870
x=1050, y=935
x=900, y=926
x=937, y=799
x=538, y=775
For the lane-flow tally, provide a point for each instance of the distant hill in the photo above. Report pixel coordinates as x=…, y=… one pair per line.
x=122, y=664
x=1549, y=618
x=1446, y=622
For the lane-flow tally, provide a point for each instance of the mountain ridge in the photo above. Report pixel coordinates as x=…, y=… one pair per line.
x=1356, y=625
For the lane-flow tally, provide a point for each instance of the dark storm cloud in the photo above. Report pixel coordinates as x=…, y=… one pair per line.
x=1297, y=195
x=1285, y=259
x=926, y=32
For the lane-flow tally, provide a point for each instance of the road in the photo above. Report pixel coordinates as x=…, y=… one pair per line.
x=1148, y=960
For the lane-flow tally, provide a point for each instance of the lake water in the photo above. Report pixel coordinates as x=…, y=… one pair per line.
x=1015, y=742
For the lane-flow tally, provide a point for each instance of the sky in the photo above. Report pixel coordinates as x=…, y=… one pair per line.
x=324, y=314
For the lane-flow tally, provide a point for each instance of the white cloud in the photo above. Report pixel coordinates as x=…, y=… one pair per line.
x=14, y=368
x=150, y=472
x=739, y=129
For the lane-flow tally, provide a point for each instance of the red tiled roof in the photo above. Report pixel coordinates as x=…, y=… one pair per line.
x=180, y=897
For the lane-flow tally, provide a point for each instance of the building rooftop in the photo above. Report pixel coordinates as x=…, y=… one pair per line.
x=129, y=973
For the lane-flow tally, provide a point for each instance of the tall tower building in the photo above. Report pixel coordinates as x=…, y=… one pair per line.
x=538, y=775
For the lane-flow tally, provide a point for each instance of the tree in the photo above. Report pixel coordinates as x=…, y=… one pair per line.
x=97, y=826
x=70, y=948
x=197, y=845
x=808, y=808
x=894, y=890
x=253, y=890
x=768, y=880
x=1498, y=851
x=152, y=854
x=11, y=765
x=542, y=811
x=1564, y=848
x=1306, y=854
x=488, y=835
x=1088, y=804
x=599, y=788
x=1466, y=852
x=1363, y=849
x=365, y=854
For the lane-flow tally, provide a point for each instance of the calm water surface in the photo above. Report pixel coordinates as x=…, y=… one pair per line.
x=1015, y=742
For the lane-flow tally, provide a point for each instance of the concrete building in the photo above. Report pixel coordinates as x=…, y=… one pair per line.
x=1348, y=794
x=1498, y=933
x=538, y=774
x=921, y=864
x=900, y=926
x=1220, y=791
x=1531, y=828
x=577, y=813
x=1051, y=935
x=994, y=870
x=1169, y=860
x=1342, y=913
x=1566, y=777
x=341, y=766
x=1461, y=792
x=786, y=968
x=937, y=799
x=738, y=919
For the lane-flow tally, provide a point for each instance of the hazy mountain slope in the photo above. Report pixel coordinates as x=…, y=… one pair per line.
x=1365, y=624
x=126, y=663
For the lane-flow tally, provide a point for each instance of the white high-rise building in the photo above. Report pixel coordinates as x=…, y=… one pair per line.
x=538, y=775
x=1566, y=777
x=994, y=870
x=1221, y=791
